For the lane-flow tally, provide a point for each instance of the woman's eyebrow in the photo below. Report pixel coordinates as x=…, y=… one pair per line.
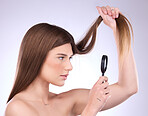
x=63, y=54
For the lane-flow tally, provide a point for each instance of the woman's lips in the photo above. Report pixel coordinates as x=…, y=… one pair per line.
x=64, y=76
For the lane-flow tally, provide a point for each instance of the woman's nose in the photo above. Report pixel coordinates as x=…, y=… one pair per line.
x=68, y=66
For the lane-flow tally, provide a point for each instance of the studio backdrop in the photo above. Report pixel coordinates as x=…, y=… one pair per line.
x=76, y=16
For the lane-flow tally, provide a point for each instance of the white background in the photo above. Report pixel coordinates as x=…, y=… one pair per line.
x=76, y=16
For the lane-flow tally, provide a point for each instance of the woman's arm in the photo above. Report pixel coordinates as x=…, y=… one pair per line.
x=127, y=84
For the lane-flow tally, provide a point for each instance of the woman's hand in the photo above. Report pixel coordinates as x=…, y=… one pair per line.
x=109, y=14
x=98, y=96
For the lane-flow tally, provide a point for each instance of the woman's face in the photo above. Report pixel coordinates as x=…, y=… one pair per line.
x=57, y=65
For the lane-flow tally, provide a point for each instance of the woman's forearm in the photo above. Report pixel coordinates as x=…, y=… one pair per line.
x=127, y=68
x=87, y=113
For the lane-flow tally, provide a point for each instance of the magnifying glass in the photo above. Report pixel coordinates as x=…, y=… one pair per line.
x=104, y=62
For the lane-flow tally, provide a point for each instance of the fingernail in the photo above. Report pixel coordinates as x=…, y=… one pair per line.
x=97, y=7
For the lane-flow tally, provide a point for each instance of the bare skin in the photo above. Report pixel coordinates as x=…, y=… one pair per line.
x=36, y=100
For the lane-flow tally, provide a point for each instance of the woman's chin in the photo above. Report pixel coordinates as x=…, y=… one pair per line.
x=59, y=84
x=62, y=84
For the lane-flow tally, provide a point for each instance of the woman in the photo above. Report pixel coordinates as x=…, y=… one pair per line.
x=44, y=59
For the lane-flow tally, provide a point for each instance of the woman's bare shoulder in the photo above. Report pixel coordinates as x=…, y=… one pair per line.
x=17, y=107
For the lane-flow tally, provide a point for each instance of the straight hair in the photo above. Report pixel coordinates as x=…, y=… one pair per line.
x=43, y=37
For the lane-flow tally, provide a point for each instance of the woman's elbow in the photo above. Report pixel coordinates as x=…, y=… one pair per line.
x=133, y=89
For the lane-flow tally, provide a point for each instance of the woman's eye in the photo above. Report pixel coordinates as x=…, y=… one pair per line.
x=70, y=58
x=61, y=58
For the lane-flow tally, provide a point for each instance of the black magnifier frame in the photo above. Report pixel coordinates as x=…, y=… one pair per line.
x=104, y=62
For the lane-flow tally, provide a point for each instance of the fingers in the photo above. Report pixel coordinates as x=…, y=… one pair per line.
x=100, y=11
x=104, y=10
x=104, y=95
x=111, y=11
x=102, y=79
x=103, y=83
x=106, y=91
x=100, y=93
x=117, y=11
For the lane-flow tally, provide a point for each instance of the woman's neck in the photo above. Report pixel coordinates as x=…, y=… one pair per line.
x=38, y=90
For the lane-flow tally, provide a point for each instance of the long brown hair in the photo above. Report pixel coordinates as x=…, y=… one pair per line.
x=125, y=31
x=43, y=37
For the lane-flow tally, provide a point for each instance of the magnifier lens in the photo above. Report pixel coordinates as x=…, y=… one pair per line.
x=104, y=62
